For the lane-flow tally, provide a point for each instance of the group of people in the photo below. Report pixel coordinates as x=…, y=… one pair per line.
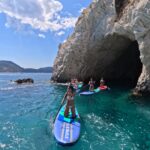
x=70, y=95
x=92, y=83
x=74, y=83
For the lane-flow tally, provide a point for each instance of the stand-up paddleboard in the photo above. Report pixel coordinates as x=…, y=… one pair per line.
x=90, y=92
x=87, y=93
x=103, y=87
x=66, y=130
x=97, y=90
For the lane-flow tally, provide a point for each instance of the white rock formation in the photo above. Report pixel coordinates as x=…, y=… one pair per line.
x=104, y=43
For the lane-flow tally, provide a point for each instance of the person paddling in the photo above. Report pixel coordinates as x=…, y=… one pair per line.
x=91, y=83
x=70, y=94
x=73, y=83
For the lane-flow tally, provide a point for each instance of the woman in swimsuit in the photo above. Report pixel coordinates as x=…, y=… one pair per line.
x=76, y=84
x=70, y=102
x=91, y=83
x=73, y=83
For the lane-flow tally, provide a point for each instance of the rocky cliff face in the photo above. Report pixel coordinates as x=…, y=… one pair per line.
x=111, y=40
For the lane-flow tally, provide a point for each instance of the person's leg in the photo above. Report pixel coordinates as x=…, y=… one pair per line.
x=90, y=88
x=66, y=111
x=73, y=110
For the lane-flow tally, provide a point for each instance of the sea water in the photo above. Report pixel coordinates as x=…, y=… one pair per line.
x=110, y=120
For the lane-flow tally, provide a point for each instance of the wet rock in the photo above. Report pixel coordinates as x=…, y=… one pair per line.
x=136, y=93
x=21, y=81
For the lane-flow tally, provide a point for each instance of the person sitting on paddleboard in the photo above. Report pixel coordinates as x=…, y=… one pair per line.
x=91, y=83
x=70, y=94
x=102, y=84
x=73, y=83
x=76, y=84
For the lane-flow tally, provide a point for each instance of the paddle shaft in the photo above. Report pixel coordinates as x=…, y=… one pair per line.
x=60, y=107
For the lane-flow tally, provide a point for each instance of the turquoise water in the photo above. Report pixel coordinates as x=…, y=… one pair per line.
x=110, y=120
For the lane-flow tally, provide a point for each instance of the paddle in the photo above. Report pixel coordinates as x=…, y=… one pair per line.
x=60, y=107
x=62, y=102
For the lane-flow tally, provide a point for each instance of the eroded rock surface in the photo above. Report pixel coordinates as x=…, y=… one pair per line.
x=21, y=81
x=107, y=41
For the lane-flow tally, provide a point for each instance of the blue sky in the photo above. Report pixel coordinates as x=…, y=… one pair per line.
x=31, y=30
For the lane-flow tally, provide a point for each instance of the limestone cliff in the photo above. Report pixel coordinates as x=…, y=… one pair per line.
x=111, y=39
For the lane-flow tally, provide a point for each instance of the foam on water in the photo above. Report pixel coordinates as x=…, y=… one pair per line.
x=14, y=87
x=7, y=88
x=2, y=145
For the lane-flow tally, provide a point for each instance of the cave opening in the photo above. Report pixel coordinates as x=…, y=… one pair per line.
x=117, y=61
x=128, y=66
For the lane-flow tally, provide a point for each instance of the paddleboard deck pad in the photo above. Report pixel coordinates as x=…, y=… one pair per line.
x=90, y=92
x=66, y=129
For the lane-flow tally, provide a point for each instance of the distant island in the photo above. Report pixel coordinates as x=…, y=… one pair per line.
x=9, y=66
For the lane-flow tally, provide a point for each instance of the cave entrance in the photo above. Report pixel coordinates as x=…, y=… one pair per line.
x=128, y=66
x=117, y=61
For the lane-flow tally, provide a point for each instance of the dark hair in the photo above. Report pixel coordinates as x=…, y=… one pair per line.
x=71, y=88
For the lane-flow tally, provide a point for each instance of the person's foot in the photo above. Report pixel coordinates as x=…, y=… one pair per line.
x=66, y=116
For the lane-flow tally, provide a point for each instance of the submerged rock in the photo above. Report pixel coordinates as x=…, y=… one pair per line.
x=110, y=40
x=136, y=93
x=21, y=81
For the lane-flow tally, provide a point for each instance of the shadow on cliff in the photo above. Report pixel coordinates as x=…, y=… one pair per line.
x=131, y=63
x=125, y=70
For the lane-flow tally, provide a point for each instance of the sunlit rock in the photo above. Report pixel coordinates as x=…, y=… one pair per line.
x=110, y=40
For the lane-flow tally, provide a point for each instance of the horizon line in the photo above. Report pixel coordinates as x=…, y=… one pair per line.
x=30, y=67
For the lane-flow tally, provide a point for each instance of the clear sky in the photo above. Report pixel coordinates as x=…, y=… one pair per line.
x=31, y=30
